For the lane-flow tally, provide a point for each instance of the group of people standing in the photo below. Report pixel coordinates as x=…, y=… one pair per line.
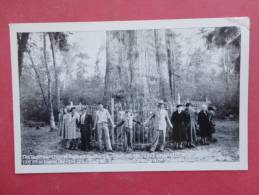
x=184, y=125
x=75, y=128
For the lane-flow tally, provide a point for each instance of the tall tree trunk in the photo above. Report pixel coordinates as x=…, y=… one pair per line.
x=143, y=65
x=173, y=75
x=22, y=46
x=170, y=72
x=52, y=45
x=158, y=62
x=225, y=68
x=108, y=69
x=119, y=66
x=170, y=62
x=50, y=103
x=131, y=58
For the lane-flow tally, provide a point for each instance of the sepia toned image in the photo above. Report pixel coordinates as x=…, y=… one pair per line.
x=130, y=96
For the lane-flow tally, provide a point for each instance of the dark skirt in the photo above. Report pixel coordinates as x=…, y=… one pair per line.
x=205, y=131
x=179, y=133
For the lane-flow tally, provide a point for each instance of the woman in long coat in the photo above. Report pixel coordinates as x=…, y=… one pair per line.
x=65, y=132
x=204, y=124
x=179, y=130
x=74, y=132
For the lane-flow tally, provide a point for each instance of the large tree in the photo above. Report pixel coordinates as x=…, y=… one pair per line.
x=49, y=80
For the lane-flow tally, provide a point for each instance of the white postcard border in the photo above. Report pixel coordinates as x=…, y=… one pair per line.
x=242, y=22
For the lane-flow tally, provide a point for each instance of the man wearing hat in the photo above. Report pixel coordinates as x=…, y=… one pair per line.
x=161, y=119
x=179, y=132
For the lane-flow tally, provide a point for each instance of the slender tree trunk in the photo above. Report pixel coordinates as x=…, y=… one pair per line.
x=225, y=61
x=51, y=114
x=108, y=69
x=173, y=75
x=37, y=74
x=225, y=68
x=52, y=45
x=170, y=62
x=170, y=72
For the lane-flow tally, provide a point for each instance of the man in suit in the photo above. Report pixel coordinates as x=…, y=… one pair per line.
x=86, y=124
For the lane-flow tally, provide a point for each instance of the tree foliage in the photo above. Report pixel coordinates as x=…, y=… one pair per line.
x=140, y=66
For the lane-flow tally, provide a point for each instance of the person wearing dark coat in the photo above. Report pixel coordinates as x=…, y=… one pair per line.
x=204, y=124
x=212, y=110
x=86, y=124
x=179, y=129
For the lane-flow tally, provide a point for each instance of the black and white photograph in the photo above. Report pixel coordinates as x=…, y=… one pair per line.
x=158, y=95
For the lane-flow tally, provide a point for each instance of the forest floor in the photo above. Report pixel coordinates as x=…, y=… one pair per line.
x=43, y=147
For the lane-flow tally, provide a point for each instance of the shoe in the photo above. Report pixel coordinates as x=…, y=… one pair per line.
x=192, y=146
x=109, y=150
x=128, y=151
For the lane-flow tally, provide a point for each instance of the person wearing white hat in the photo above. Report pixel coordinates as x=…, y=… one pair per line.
x=204, y=124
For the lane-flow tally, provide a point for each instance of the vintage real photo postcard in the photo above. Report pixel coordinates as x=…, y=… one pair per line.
x=158, y=95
